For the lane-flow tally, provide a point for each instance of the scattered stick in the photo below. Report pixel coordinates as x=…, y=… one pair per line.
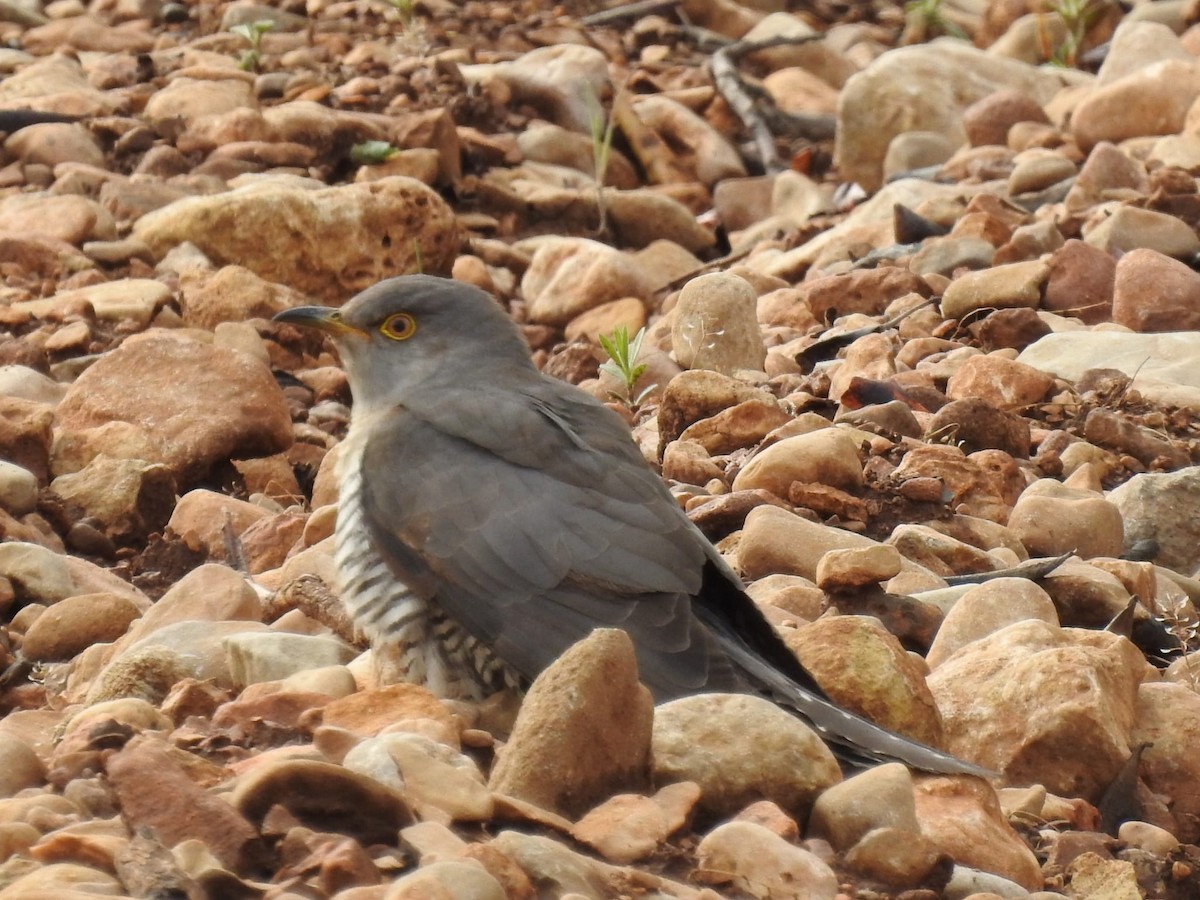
x=757, y=110
x=628, y=11
x=1033, y=570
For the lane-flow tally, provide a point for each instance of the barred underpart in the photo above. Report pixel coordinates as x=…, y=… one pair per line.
x=428, y=647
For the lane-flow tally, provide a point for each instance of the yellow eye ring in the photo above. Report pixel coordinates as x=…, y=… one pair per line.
x=398, y=327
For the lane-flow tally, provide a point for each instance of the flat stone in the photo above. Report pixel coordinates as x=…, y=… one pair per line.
x=827, y=456
x=134, y=392
x=259, y=657
x=1012, y=285
x=156, y=792
x=1163, y=364
x=1130, y=228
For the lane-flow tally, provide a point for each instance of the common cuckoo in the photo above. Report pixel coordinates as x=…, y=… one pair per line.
x=490, y=516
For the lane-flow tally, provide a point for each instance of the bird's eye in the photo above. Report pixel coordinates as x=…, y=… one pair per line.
x=398, y=327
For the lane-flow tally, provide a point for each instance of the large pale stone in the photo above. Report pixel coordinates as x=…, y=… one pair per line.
x=330, y=243
x=922, y=88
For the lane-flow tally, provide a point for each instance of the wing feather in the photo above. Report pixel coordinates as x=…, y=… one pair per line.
x=541, y=526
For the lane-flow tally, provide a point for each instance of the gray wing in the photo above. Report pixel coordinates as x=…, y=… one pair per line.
x=535, y=520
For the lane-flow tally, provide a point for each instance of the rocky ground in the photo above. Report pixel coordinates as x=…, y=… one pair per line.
x=920, y=307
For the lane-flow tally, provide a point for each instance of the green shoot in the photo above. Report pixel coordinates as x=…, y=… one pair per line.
x=407, y=10
x=417, y=259
x=925, y=19
x=622, y=365
x=602, y=137
x=372, y=153
x=252, y=32
x=1078, y=16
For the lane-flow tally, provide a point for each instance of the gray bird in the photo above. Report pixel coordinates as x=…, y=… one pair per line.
x=490, y=516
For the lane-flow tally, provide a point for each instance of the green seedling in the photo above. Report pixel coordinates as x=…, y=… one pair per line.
x=1078, y=16
x=407, y=10
x=622, y=363
x=252, y=32
x=925, y=19
x=602, y=126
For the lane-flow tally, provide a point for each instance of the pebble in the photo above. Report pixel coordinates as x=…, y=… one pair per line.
x=1012, y=285
x=1129, y=228
x=128, y=404
x=447, y=878
x=859, y=662
x=716, y=325
x=881, y=797
x=160, y=659
x=368, y=712
x=1152, y=100
x=155, y=791
x=431, y=775
x=987, y=608
x=707, y=739
x=1168, y=715
x=623, y=829
x=38, y=572
x=709, y=158
x=330, y=243
x=258, y=657
x=843, y=569
x=129, y=498
x=559, y=79
x=568, y=276
x=18, y=489
x=1154, y=506
x=326, y=796
x=955, y=814
x=896, y=857
x=750, y=858
x=75, y=623
x=1051, y=518
x=918, y=82
x=1078, y=745
x=21, y=769
x=583, y=731
x=827, y=456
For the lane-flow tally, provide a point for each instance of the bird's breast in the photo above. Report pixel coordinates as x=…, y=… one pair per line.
x=425, y=645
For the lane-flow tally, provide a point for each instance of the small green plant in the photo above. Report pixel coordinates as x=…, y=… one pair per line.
x=372, y=153
x=252, y=32
x=602, y=137
x=622, y=363
x=925, y=19
x=1078, y=16
x=407, y=10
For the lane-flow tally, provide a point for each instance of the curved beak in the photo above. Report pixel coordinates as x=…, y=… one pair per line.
x=325, y=318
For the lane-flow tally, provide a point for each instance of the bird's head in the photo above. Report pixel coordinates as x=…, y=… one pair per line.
x=418, y=331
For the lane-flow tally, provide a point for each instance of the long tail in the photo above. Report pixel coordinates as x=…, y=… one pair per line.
x=770, y=667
